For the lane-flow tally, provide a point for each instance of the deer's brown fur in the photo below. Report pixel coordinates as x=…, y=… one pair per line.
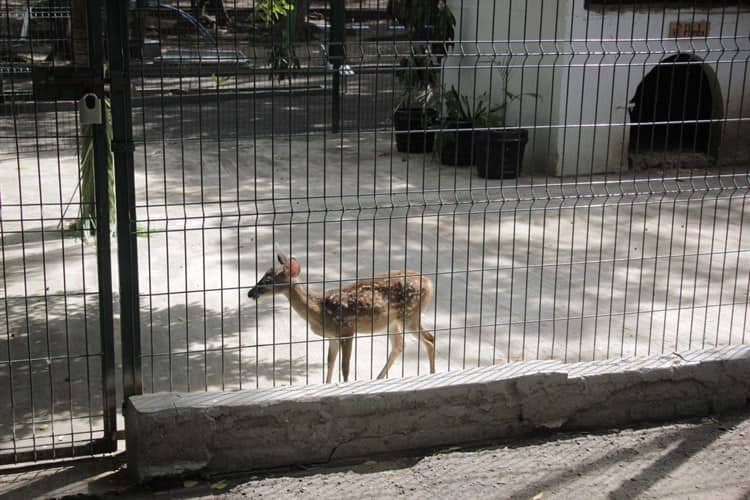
x=390, y=302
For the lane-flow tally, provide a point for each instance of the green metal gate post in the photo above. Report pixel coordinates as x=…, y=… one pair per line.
x=122, y=146
x=103, y=250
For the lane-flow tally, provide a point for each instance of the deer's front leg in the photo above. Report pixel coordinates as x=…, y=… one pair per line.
x=397, y=346
x=333, y=351
x=346, y=354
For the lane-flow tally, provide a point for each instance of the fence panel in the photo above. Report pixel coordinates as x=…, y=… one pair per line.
x=622, y=234
x=56, y=338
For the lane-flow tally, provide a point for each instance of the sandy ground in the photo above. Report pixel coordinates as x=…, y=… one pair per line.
x=534, y=268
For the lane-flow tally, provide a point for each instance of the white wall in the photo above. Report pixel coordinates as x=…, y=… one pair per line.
x=605, y=90
x=493, y=34
x=586, y=66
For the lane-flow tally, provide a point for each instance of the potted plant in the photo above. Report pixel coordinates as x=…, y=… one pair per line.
x=429, y=25
x=498, y=149
x=279, y=17
x=460, y=118
x=498, y=153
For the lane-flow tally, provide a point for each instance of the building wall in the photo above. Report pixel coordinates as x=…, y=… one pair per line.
x=586, y=65
x=492, y=35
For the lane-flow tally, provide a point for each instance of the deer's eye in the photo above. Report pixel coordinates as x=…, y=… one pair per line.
x=267, y=279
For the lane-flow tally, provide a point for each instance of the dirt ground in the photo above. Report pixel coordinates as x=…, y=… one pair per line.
x=703, y=458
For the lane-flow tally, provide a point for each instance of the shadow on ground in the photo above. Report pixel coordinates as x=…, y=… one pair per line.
x=651, y=460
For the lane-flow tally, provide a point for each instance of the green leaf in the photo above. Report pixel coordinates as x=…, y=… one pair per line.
x=271, y=11
x=219, y=486
x=87, y=185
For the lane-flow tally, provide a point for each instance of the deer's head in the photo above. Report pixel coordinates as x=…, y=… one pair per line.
x=278, y=278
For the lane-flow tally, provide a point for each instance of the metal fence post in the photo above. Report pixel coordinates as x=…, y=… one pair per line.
x=122, y=146
x=336, y=54
x=95, y=57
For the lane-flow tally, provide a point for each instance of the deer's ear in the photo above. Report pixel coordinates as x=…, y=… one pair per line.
x=281, y=257
x=292, y=267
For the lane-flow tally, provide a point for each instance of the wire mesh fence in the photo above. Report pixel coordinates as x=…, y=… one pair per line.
x=622, y=234
x=54, y=342
x=571, y=180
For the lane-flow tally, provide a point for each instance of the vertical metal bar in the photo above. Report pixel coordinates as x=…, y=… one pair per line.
x=597, y=72
x=358, y=182
x=165, y=264
x=204, y=274
x=255, y=209
x=220, y=200
x=183, y=198
x=336, y=53
x=144, y=131
x=9, y=350
x=64, y=259
x=101, y=179
x=25, y=265
x=122, y=148
x=307, y=222
x=289, y=43
x=238, y=208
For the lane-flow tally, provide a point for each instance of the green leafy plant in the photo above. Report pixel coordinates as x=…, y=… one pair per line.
x=430, y=28
x=479, y=112
x=273, y=14
x=428, y=22
x=464, y=119
x=270, y=12
x=507, y=97
x=498, y=152
x=219, y=80
x=87, y=212
x=459, y=113
x=283, y=59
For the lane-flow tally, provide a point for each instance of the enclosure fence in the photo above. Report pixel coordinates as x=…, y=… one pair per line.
x=563, y=180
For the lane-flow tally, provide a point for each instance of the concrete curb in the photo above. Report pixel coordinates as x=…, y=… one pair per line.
x=174, y=433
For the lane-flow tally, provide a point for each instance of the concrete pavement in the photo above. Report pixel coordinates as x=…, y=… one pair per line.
x=704, y=458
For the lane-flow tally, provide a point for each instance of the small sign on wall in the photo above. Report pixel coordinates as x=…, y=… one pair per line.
x=689, y=29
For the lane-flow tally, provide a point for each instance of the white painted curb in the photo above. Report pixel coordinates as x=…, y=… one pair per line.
x=175, y=433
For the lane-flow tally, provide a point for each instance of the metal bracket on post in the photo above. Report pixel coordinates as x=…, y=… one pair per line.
x=90, y=109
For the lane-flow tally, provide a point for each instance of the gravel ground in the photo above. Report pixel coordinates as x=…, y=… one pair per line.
x=704, y=458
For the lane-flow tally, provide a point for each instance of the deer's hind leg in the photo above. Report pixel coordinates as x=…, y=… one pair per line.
x=397, y=347
x=426, y=337
x=345, y=344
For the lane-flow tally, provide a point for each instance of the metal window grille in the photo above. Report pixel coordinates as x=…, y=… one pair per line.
x=622, y=233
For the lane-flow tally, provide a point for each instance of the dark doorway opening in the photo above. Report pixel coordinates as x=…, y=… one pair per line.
x=679, y=91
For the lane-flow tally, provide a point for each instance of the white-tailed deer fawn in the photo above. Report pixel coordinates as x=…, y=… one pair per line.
x=390, y=302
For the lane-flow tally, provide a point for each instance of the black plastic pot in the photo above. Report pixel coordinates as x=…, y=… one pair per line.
x=410, y=125
x=457, y=146
x=498, y=154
